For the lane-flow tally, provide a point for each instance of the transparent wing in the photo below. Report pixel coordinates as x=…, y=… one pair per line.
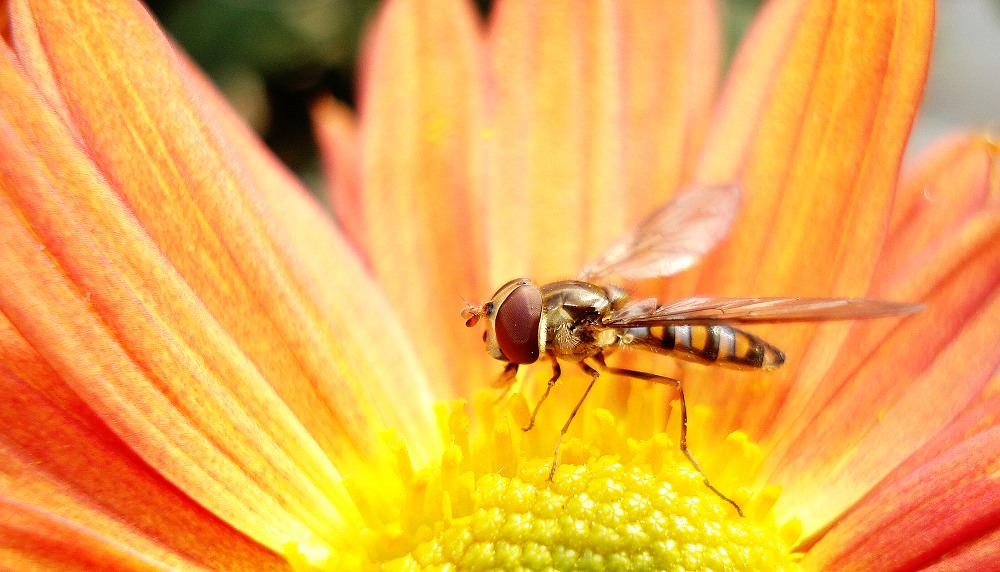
x=754, y=310
x=672, y=238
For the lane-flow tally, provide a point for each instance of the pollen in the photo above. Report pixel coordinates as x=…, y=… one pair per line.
x=620, y=499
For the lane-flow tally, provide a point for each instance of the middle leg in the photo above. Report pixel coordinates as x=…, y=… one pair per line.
x=562, y=433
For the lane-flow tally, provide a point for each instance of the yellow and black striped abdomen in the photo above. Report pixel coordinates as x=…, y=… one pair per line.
x=717, y=344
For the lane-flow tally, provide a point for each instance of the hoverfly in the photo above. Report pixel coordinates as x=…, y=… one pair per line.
x=587, y=318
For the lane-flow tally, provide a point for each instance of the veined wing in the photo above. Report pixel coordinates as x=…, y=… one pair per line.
x=672, y=238
x=755, y=310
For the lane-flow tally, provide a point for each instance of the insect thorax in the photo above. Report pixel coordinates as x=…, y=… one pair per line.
x=573, y=311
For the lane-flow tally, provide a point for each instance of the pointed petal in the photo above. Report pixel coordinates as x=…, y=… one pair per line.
x=337, y=137
x=60, y=460
x=812, y=123
x=945, y=186
x=963, y=153
x=978, y=553
x=949, y=501
x=557, y=105
x=106, y=331
x=151, y=331
x=982, y=414
x=394, y=383
x=671, y=72
x=189, y=194
x=584, y=93
x=960, y=173
x=890, y=398
x=421, y=123
x=35, y=540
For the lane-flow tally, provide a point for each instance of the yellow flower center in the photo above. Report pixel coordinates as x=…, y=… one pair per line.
x=617, y=501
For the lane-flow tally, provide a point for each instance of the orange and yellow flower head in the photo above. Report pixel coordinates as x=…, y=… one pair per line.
x=202, y=369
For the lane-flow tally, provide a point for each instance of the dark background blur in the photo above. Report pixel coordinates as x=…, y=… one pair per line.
x=273, y=57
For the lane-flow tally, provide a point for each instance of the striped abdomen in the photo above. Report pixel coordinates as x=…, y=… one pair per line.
x=717, y=344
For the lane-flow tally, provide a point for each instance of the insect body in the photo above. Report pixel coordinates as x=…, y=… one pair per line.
x=584, y=319
x=721, y=345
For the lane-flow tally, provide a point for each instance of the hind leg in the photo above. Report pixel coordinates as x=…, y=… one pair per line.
x=676, y=383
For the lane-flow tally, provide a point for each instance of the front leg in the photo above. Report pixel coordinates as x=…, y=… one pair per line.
x=556, y=372
x=506, y=377
x=505, y=381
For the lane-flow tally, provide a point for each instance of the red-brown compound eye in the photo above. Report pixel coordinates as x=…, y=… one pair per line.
x=516, y=324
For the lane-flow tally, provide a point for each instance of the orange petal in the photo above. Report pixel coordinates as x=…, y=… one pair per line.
x=978, y=553
x=421, y=124
x=597, y=116
x=97, y=298
x=393, y=382
x=962, y=169
x=889, y=399
x=920, y=195
x=671, y=74
x=557, y=104
x=812, y=123
x=61, y=462
x=35, y=540
x=31, y=54
x=949, y=501
x=947, y=184
x=983, y=414
x=337, y=137
x=191, y=197
x=114, y=321
x=670, y=58
x=894, y=385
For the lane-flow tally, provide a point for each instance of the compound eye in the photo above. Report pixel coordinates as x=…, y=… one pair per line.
x=516, y=325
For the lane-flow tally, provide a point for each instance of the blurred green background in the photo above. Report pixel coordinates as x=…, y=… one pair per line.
x=273, y=57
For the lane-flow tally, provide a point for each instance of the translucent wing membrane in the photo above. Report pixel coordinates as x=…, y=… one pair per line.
x=674, y=237
x=754, y=310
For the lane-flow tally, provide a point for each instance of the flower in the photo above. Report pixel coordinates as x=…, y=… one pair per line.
x=201, y=372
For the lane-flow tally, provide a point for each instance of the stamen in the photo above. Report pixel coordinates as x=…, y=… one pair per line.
x=616, y=497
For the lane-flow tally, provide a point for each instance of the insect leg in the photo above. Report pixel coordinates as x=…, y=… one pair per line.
x=505, y=380
x=506, y=377
x=684, y=417
x=556, y=372
x=562, y=432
